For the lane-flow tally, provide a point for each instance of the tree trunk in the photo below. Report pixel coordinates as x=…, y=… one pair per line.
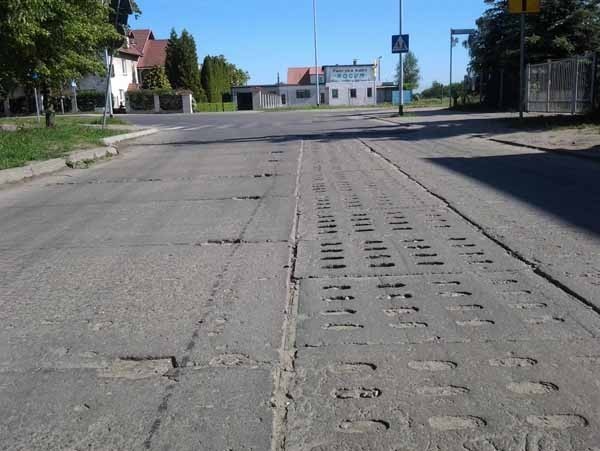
x=49, y=108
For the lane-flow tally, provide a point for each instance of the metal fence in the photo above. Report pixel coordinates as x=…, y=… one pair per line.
x=564, y=86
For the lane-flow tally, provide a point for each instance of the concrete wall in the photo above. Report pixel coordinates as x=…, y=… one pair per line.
x=289, y=91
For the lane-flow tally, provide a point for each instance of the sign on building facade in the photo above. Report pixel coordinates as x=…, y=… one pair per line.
x=338, y=74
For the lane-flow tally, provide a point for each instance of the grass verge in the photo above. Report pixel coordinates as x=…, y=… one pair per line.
x=588, y=122
x=32, y=142
x=90, y=120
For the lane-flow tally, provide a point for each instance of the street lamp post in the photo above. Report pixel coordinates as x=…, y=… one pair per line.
x=316, y=52
x=401, y=70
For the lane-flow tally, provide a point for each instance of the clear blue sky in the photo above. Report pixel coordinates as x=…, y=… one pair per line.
x=268, y=36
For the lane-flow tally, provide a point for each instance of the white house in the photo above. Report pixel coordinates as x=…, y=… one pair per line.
x=140, y=53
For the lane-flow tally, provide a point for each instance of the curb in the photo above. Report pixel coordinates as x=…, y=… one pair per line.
x=80, y=156
x=85, y=156
x=111, y=140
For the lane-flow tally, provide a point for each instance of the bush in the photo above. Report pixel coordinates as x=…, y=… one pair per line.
x=141, y=100
x=214, y=107
x=170, y=102
x=90, y=100
x=156, y=78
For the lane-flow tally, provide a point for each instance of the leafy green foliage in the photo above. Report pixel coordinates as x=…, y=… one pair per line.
x=181, y=66
x=563, y=28
x=49, y=42
x=156, y=78
x=436, y=91
x=412, y=72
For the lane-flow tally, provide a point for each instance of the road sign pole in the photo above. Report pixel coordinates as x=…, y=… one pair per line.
x=316, y=51
x=37, y=104
x=401, y=70
x=451, y=51
x=522, y=69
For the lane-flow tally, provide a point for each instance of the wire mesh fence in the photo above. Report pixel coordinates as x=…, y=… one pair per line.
x=563, y=86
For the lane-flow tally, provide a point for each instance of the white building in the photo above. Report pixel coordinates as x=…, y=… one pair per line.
x=140, y=53
x=352, y=85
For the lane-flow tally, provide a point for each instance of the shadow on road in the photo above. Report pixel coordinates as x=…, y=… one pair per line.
x=565, y=188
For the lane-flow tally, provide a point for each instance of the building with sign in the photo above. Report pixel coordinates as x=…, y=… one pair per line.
x=352, y=85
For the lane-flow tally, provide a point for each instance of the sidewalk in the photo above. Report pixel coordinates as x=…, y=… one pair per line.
x=577, y=141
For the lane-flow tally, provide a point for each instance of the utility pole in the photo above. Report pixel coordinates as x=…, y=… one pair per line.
x=401, y=69
x=522, y=66
x=316, y=52
x=451, y=51
x=523, y=7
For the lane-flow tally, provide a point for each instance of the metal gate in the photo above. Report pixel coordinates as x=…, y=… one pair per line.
x=563, y=86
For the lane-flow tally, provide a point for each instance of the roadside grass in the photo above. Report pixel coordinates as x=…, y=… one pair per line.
x=32, y=142
x=588, y=122
x=428, y=103
x=90, y=120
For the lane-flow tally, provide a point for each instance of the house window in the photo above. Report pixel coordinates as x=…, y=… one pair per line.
x=369, y=92
x=335, y=93
x=303, y=94
x=124, y=66
x=353, y=93
x=322, y=97
x=134, y=75
x=283, y=99
x=112, y=71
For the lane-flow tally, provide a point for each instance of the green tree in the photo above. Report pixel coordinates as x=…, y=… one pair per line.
x=46, y=43
x=436, y=91
x=412, y=72
x=239, y=77
x=156, y=78
x=563, y=28
x=219, y=75
x=182, y=64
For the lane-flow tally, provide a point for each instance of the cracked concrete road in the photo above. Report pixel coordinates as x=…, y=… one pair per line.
x=319, y=281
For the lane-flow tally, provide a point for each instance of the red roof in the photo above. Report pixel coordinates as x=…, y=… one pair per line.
x=130, y=51
x=151, y=52
x=154, y=54
x=140, y=37
x=301, y=75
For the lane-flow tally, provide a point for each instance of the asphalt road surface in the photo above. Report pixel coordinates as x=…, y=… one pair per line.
x=319, y=281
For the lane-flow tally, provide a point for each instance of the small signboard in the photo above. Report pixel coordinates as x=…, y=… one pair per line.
x=524, y=6
x=463, y=31
x=400, y=43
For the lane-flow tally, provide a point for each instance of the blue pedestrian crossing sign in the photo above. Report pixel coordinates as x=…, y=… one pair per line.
x=400, y=43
